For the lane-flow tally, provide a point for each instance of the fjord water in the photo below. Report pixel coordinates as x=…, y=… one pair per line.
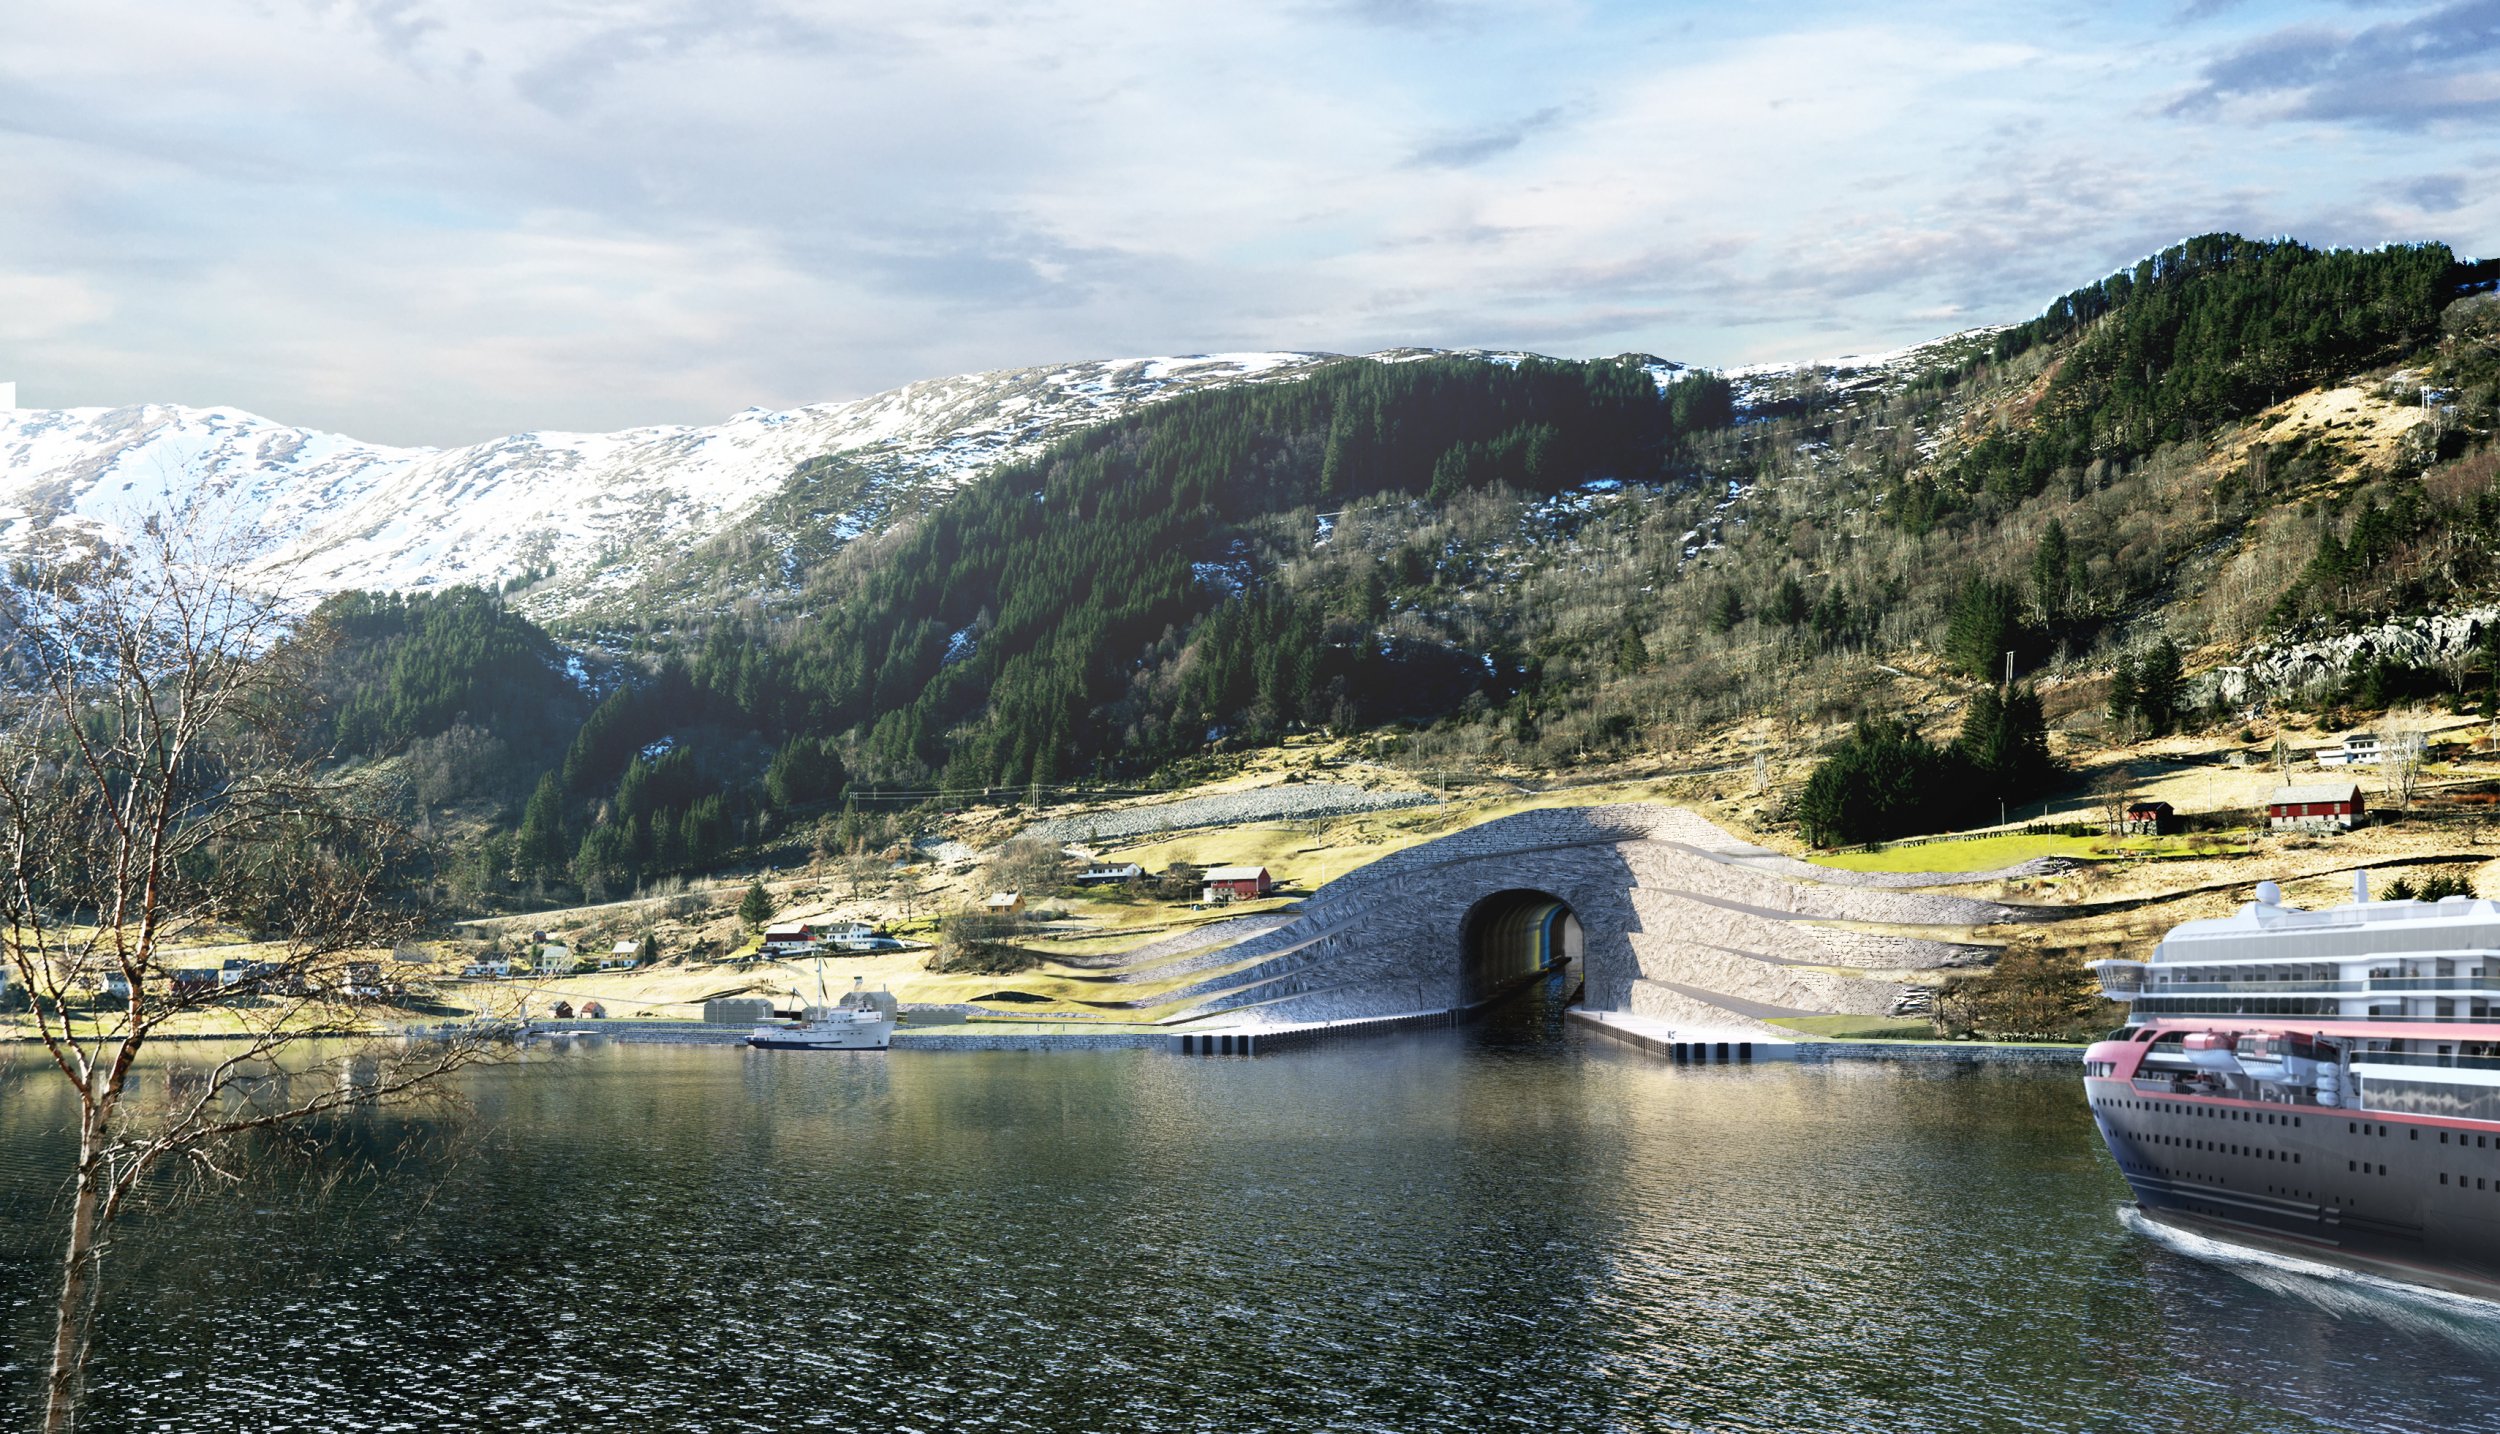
x=1486, y=1229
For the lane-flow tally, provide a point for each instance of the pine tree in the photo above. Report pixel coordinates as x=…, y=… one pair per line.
x=2049, y=563
x=757, y=906
x=2122, y=690
x=1788, y=603
x=1726, y=608
x=2161, y=687
x=1985, y=627
x=540, y=849
x=1631, y=652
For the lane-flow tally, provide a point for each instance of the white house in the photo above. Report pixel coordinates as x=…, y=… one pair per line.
x=622, y=956
x=2361, y=749
x=1109, y=873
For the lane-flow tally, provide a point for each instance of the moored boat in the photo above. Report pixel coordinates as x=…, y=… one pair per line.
x=863, y=1020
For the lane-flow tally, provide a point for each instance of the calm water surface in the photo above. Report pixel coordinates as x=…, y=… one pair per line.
x=1465, y=1231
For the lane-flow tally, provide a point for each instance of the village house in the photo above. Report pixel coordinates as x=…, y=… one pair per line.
x=622, y=956
x=1004, y=903
x=2318, y=806
x=1109, y=873
x=2361, y=749
x=2151, y=819
x=789, y=938
x=1237, y=883
x=852, y=936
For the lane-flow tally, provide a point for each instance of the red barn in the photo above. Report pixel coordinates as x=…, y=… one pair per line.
x=1237, y=883
x=2152, y=818
x=2322, y=806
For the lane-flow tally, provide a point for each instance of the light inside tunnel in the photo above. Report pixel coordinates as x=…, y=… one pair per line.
x=1512, y=935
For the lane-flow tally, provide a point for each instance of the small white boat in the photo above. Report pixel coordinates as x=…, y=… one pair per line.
x=863, y=1020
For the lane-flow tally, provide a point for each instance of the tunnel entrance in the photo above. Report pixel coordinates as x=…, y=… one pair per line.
x=1511, y=936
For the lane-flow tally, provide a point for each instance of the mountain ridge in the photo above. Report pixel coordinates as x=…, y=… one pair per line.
x=329, y=512
x=605, y=515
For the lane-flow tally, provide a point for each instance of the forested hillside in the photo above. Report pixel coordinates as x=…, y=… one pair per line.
x=1546, y=564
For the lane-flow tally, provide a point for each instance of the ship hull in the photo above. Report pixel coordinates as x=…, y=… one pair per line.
x=2410, y=1200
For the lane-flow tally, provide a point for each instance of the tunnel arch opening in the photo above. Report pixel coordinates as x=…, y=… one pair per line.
x=1510, y=937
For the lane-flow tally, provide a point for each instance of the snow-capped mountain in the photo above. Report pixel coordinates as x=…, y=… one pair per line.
x=603, y=515
x=328, y=513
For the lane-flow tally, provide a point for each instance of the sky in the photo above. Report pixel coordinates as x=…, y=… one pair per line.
x=437, y=221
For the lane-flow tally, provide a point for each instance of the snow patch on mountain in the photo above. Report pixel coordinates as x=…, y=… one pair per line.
x=325, y=512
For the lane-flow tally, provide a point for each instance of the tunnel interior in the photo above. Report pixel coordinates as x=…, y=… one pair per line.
x=1511, y=936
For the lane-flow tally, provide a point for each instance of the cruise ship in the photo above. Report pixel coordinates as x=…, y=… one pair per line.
x=2321, y=1083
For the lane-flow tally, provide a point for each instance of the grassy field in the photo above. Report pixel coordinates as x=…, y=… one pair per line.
x=1978, y=854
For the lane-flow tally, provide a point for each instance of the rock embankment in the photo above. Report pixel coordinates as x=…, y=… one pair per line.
x=1291, y=802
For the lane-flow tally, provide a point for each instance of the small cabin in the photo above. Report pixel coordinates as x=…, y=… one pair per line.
x=1237, y=883
x=195, y=980
x=2150, y=819
x=2321, y=806
x=1110, y=873
x=593, y=1011
x=622, y=956
x=1004, y=903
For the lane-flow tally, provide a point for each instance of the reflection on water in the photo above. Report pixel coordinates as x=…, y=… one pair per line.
x=1506, y=1228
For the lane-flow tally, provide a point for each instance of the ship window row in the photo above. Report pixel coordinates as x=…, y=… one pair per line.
x=2480, y=1182
x=2166, y=1107
x=2223, y=1147
x=2481, y=1142
x=2165, y=1172
x=2364, y=1167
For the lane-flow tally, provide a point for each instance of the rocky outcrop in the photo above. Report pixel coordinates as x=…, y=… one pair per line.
x=2306, y=668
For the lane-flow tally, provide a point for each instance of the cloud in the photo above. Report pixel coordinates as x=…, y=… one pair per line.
x=2434, y=193
x=1475, y=147
x=437, y=220
x=2432, y=66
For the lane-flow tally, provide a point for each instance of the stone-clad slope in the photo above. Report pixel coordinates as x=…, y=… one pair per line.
x=1672, y=926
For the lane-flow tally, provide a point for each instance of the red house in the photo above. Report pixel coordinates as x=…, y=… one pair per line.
x=2323, y=806
x=2152, y=818
x=1237, y=883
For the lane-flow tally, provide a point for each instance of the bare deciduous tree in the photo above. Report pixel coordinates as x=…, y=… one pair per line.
x=2403, y=746
x=154, y=795
x=2112, y=793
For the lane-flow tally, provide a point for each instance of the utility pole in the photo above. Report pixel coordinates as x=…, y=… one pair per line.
x=2009, y=675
